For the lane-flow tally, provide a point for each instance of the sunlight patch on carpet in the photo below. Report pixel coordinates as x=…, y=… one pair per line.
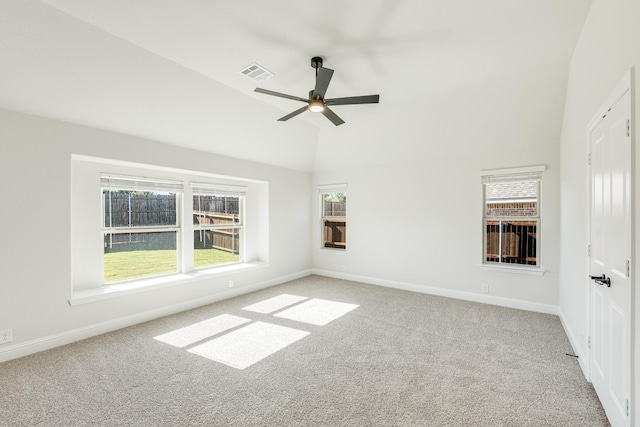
x=198, y=331
x=274, y=304
x=317, y=311
x=248, y=345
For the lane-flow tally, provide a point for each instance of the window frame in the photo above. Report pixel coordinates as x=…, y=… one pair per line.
x=111, y=182
x=87, y=242
x=322, y=191
x=528, y=173
x=202, y=189
x=184, y=194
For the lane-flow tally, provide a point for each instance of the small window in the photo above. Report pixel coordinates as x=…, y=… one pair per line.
x=512, y=216
x=140, y=227
x=334, y=217
x=217, y=226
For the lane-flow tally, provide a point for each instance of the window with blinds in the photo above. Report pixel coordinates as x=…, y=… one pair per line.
x=511, y=216
x=333, y=216
x=218, y=221
x=140, y=227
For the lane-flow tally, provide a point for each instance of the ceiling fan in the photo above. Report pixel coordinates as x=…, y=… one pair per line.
x=317, y=102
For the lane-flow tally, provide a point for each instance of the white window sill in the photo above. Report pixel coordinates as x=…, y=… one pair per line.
x=335, y=251
x=516, y=270
x=115, y=290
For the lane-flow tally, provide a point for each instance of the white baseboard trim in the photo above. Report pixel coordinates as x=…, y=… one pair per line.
x=578, y=349
x=467, y=296
x=45, y=343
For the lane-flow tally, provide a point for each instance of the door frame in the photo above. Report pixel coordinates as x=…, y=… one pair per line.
x=624, y=85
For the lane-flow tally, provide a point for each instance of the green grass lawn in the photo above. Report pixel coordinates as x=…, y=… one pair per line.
x=120, y=266
x=209, y=257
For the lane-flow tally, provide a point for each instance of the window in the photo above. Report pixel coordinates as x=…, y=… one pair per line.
x=140, y=227
x=511, y=216
x=217, y=225
x=333, y=202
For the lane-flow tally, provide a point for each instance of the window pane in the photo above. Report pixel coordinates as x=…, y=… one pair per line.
x=493, y=241
x=334, y=204
x=512, y=242
x=334, y=212
x=125, y=208
x=217, y=246
x=335, y=233
x=132, y=255
x=519, y=198
x=216, y=210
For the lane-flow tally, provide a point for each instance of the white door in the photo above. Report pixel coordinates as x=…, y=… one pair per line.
x=610, y=288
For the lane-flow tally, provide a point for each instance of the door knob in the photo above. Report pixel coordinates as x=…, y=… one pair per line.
x=602, y=280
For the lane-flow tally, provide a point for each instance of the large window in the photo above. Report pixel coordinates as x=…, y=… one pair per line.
x=137, y=227
x=333, y=201
x=217, y=225
x=511, y=214
x=143, y=231
x=140, y=227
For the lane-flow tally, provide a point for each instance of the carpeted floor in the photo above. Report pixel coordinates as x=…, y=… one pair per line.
x=397, y=359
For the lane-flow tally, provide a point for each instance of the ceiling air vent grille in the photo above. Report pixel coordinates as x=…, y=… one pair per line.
x=256, y=72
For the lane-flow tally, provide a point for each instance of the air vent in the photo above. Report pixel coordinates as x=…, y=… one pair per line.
x=256, y=72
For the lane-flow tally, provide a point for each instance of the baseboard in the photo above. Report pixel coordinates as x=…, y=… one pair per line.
x=45, y=343
x=67, y=337
x=468, y=296
x=578, y=350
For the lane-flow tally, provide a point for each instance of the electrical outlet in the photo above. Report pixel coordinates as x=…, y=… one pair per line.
x=5, y=336
x=485, y=288
x=231, y=283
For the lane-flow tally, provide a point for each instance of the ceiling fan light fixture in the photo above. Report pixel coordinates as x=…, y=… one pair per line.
x=316, y=102
x=316, y=106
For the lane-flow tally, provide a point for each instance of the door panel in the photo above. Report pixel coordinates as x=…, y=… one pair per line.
x=598, y=189
x=610, y=252
x=597, y=334
x=618, y=332
x=620, y=195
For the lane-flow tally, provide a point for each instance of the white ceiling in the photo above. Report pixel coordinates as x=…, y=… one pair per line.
x=169, y=70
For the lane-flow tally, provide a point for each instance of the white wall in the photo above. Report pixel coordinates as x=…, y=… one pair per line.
x=63, y=68
x=35, y=169
x=608, y=47
x=413, y=228
x=417, y=223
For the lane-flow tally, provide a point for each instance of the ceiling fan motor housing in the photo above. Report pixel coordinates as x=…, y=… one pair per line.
x=311, y=95
x=316, y=62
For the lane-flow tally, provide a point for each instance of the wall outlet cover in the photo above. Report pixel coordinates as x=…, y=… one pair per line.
x=6, y=336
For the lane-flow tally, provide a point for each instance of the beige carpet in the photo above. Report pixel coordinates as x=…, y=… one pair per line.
x=383, y=357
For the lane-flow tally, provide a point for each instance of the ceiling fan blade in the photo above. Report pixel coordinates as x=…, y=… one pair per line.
x=322, y=82
x=281, y=95
x=295, y=113
x=332, y=116
x=368, y=99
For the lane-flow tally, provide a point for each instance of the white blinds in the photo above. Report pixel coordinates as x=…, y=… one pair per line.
x=218, y=190
x=140, y=184
x=152, y=184
x=530, y=173
x=332, y=188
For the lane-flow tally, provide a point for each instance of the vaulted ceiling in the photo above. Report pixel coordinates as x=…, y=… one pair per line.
x=169, y=70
